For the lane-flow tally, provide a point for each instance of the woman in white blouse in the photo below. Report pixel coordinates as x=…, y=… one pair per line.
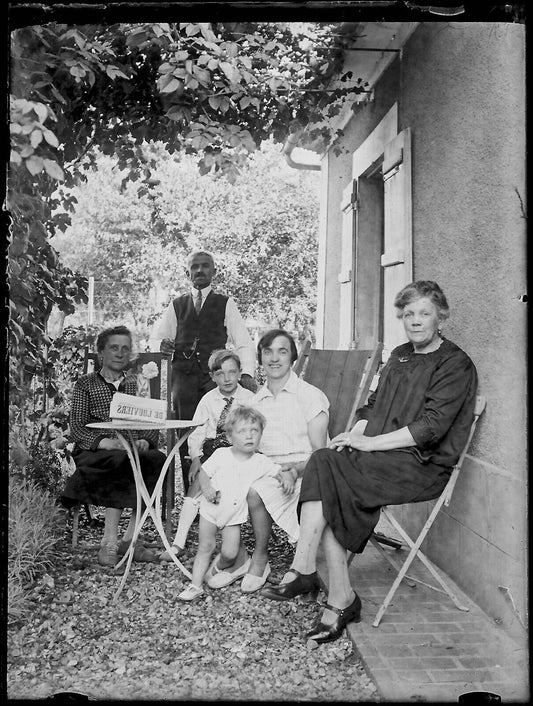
x=297, y=423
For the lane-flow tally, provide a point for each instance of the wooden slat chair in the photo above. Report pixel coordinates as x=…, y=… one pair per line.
x=415, y=552
x=344, y=376
x=160, y=388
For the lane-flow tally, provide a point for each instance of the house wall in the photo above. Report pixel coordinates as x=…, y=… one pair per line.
x=460, y=87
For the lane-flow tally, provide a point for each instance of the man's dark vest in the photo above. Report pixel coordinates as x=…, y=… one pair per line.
x=198, y=335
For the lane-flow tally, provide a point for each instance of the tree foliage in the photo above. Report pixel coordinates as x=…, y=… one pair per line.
x=134, y=239
x=217, y=90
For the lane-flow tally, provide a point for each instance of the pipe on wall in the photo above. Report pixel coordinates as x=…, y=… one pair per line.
x=290, y=143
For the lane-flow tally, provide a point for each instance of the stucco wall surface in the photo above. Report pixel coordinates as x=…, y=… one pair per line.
x=463, y=96
x=460, y=87
x=462, y=93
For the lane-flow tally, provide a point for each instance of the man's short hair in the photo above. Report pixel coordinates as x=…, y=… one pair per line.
x=219, y=356
x=194, y=253
x=241, y=413
x=105, y=335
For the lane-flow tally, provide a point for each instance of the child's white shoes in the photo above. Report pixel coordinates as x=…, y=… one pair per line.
x=191, y=593
x=220, y=578
x=250, y=583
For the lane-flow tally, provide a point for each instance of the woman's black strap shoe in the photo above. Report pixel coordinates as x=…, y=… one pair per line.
x=327, y=633
x=303, y=583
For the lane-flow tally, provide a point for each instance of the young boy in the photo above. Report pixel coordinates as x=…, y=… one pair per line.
x=225, y=479
x=225, y=370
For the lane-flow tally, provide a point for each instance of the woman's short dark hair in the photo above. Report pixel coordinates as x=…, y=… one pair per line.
x=266, y=341
x=422, y=288
x=105, y=335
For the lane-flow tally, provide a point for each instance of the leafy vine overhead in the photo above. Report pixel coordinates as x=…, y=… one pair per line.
x=215, y=90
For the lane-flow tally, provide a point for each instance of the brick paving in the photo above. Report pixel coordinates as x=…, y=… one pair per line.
x=425, y=649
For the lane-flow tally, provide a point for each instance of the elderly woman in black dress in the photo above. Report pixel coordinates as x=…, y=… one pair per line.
x=402, y=449
x=103, y=474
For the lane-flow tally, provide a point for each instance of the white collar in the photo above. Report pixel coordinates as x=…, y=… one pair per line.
x=289, y=386
x=205, y=291
x=116, y=383
x=234, y=394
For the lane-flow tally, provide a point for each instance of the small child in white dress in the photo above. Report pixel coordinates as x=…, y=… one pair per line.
x=225, y=479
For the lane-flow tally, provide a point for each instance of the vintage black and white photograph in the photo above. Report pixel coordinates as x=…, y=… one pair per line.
x=265, y=355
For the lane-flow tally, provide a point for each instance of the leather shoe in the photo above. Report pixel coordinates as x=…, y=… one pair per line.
x=303, y=583
x=175, y=550
x=108, y=554
x=140, y=553
x=327, y=633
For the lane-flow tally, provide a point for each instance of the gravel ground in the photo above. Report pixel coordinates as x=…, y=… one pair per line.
x=148, y=646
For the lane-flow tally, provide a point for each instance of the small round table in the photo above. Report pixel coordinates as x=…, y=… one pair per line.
x=123, y=431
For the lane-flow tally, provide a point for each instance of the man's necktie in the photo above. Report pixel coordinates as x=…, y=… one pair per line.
x=198, y=301
x=221, y=438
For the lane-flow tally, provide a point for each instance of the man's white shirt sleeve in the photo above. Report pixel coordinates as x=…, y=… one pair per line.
x=166, y=327
x=199, y=434
x=239, y=337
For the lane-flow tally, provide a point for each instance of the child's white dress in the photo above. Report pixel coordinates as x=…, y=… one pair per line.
x=233, y=479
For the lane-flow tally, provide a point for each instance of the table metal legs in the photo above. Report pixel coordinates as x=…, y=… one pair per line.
x=153, y=504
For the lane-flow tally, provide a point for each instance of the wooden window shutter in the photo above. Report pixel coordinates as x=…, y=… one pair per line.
x=397, y=258
x=346, y=274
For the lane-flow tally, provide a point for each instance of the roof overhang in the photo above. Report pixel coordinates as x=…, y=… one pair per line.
x=369, y=48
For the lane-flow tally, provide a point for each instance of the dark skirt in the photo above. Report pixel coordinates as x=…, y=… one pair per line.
x=106, y=478
x=353, y=485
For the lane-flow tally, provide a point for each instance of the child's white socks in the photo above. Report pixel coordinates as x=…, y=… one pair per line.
x=188, y=514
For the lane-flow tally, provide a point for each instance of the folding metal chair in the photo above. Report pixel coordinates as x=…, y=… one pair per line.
x=443, y=500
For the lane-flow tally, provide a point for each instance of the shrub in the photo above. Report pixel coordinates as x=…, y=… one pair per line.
x=33, y=533
x=46, y=468
x=65, y=362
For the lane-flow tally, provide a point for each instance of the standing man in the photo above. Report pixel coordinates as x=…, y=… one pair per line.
x=191, y=328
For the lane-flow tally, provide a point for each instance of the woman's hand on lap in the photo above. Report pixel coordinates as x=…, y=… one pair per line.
x=352, y=440
x=109, y=444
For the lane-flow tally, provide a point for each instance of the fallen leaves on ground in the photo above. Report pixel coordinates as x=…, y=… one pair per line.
x=149, y=646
